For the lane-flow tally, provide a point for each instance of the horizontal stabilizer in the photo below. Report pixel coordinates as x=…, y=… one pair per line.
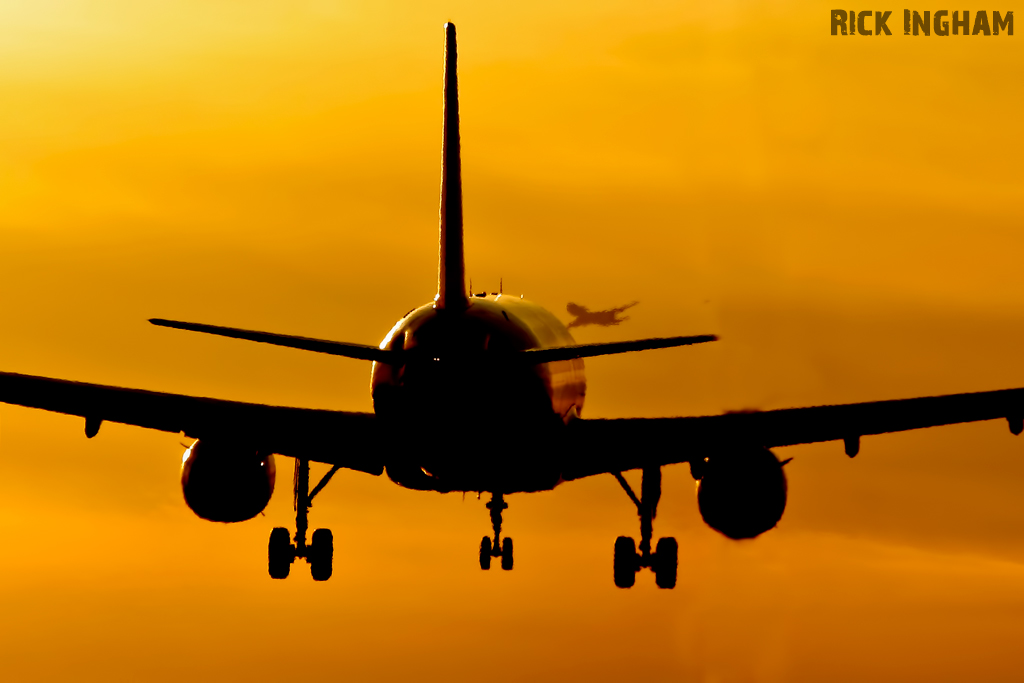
x=605, y=348
x=397, y=357
x=333, y=348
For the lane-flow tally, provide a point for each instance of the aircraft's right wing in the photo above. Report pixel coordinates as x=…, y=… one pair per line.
x=346, y=439
x=602, y=446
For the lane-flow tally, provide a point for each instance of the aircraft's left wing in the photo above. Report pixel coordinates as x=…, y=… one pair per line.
x=601, y=446
x=346, y=439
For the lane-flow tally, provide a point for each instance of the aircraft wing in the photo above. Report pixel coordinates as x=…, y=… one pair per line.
x=622, y=444
x=347, y=439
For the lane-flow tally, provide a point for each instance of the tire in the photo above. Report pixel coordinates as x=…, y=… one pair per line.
x=666, y=562
x=485, y=553
x=321, y=555
x=279, y=553
x=625, y=562
x=506, y=554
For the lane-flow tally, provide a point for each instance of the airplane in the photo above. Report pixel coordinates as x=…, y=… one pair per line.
x=584, y=316
x=479, y=394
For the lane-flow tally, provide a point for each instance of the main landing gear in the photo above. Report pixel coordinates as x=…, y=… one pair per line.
x=319, y=553
x=497, y=548
x=664, y=560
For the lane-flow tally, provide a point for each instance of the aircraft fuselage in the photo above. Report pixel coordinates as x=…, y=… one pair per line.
x=489, y=413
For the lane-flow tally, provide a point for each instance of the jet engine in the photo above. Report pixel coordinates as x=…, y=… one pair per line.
x=742, y=492
x=225, y=482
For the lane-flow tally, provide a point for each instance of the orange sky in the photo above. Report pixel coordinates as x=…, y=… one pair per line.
x=844, y=212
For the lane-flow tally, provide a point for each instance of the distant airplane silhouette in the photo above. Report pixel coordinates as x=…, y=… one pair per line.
x=584, y=316
x=479, y=394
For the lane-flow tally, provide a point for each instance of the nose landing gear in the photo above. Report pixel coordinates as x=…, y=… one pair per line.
x=664, y=561
x=497, y=548
x=319, y=553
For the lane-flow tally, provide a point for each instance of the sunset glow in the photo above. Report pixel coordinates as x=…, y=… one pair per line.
x=843, y=212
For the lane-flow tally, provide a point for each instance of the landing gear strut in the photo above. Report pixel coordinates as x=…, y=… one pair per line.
x=665, y=558
x=497, y=548
x=319, y=553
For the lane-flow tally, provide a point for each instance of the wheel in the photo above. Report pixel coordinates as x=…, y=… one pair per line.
x=321, y=555
x=506, y=554
x=485, y=553
x=279, y=553
x=666, y=562
x=625, y=562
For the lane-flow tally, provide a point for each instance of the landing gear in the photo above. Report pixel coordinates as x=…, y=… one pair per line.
x=497, y=548
x=485, y=553
x=506, y=554
x=280, y=553
x=319, y=553
x=625, y=562
x=664, y=561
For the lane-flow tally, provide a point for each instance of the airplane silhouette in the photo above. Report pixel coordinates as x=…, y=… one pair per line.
x=472, y=393
x=584, y=316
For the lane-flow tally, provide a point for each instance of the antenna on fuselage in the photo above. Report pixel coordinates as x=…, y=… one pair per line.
x=451, y=267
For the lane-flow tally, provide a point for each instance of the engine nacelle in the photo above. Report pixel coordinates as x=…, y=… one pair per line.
x=742, y=492
x=225, y=482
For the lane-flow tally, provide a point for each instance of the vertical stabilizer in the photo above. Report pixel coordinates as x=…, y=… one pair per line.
x=451, y=267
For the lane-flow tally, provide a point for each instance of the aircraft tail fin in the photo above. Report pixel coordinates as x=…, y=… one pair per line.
x=451, y=267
